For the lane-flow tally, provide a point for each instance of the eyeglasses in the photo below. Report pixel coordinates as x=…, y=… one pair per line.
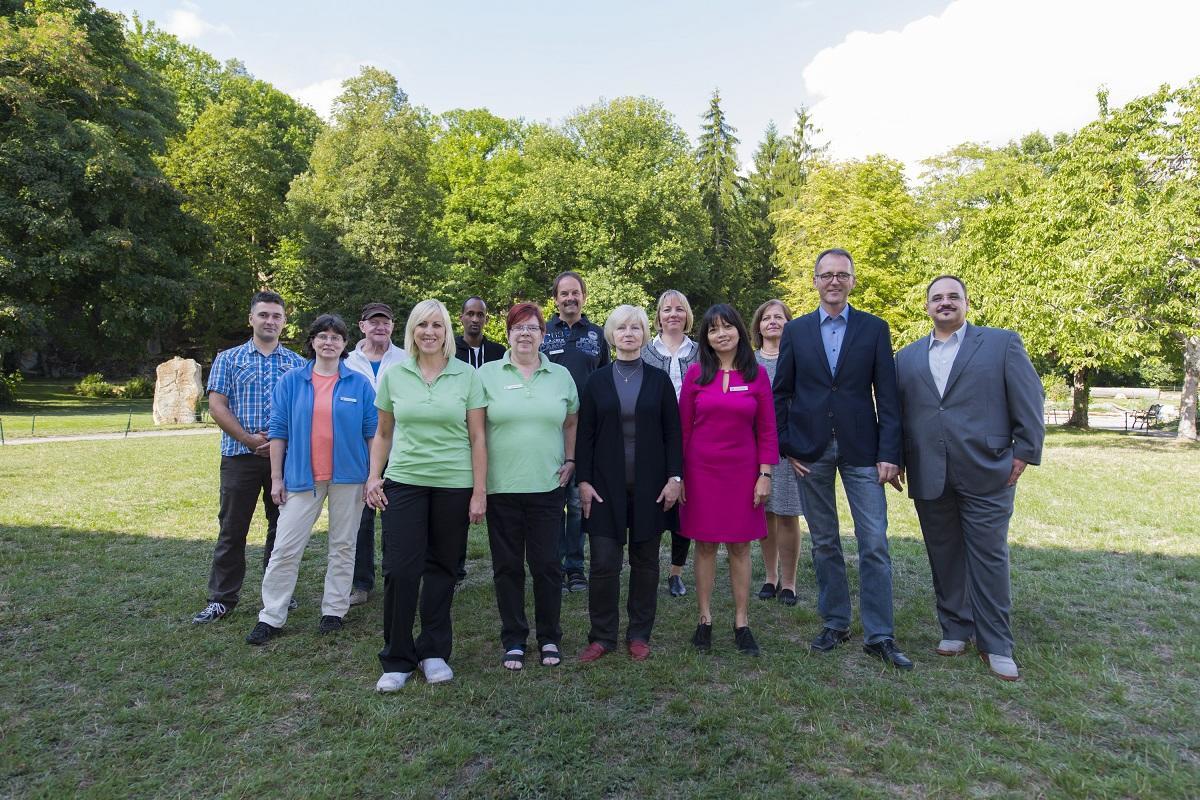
x=526, y=329
x=331, y=338
x=840, y=277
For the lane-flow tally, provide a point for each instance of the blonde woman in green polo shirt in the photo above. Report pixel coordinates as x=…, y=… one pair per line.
x=531, y=417
x=431, y=439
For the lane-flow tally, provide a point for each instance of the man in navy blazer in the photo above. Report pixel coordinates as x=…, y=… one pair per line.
x=972, y=406
x=837, y=410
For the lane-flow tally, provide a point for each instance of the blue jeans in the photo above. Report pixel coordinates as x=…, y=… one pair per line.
x=868, y=507
x=570, y=541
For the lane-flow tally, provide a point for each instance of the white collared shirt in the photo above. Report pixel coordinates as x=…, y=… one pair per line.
x=673, y=368
x=942, y=355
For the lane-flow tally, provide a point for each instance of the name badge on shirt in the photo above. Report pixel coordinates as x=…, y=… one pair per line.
x=348, y=399
x=515, y=386
x=739, y=388
x=556, y=352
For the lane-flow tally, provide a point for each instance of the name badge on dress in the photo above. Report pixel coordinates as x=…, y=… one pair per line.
x=348, y=399
x=515, y=386
x=739, y=388
x=559, y=351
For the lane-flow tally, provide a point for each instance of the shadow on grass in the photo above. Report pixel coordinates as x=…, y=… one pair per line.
x=108, y=690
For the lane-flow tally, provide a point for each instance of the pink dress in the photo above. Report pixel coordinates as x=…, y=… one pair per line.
x=726, y=435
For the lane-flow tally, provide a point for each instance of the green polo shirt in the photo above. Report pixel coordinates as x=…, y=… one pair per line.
x=430, y=446
x=525, y=424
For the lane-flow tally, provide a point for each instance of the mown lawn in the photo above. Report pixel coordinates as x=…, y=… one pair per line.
x=49, y=407
x=106, y=690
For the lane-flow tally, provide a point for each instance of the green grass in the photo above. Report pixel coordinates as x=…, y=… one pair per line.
x=107, y=691
x=48, y=407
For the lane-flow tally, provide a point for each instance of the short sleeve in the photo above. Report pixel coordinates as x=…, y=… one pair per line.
x=383, y=395
x=476, y=398
x=218, y=375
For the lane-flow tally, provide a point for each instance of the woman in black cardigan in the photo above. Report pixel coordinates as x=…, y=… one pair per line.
x=629, y=458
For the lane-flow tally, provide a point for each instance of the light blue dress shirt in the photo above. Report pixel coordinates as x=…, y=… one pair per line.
x=833, y=332
x=942, y=355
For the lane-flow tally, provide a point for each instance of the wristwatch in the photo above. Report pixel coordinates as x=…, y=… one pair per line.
x=677, y=479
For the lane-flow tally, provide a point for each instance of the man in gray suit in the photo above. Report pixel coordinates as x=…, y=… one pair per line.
x=971, y=405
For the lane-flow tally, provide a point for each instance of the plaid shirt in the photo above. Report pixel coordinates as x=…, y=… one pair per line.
x=247, y=378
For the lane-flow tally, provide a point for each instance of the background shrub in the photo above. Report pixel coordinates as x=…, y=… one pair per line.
x=94, y=385
x=138, y=387
x=8, y=389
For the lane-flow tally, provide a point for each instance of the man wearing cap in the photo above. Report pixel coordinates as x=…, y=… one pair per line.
x=473, y=347
x=373, y=355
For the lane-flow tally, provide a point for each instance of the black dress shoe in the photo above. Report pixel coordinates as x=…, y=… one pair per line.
x=828, y=639
x=702, y=638
x=887, y=651
x=767, y=591
x=675, y=584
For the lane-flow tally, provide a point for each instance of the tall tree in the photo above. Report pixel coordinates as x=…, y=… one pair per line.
x=720, y=184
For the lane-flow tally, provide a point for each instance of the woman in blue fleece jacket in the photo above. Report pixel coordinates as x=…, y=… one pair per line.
x=323, y=418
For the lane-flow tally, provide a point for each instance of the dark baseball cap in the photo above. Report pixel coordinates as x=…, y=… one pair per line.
x=376, y=310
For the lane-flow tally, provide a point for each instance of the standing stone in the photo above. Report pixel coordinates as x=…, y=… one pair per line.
x=177, y=391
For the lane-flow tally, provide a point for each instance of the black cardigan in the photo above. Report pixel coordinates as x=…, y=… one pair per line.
x=600, y=453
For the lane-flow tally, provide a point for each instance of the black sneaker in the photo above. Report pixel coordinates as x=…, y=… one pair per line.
x=744, y=640
x=261, y=634
x=576, y=582
x=292, y=604
x=211, y=613
x=329, y=624
x=702, y=638
x=675, y=586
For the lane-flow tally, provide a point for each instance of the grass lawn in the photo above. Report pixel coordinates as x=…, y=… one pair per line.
x=49, y=407
x=106, y=690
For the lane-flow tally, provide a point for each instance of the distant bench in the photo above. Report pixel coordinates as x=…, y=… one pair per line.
x=1146, y=419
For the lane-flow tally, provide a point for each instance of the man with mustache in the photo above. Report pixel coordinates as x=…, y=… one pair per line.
x=239, y=399
x=972, y=414
x=574, y=342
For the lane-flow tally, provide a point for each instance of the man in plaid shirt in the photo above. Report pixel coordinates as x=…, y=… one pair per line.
x=240, y=384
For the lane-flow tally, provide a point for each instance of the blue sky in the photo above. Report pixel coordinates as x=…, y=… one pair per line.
x=909, y=78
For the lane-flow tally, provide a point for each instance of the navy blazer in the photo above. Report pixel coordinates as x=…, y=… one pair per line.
x=861, y=404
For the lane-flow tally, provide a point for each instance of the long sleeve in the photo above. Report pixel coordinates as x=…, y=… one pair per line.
x=1024, y=393
x=281, y=407
x=585, y=436
x=887, y=401
x=370, y=413
x=783, y=387
x=687, y=407
x=765, y=431
x=672, y=433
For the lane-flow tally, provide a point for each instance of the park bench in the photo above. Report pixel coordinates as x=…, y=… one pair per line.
x=1145, y=418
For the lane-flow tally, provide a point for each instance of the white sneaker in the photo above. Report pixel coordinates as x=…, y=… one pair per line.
x=392, y=681
x=436, y=670
x=951, y=647
x=359, y=596
x=1003, y=667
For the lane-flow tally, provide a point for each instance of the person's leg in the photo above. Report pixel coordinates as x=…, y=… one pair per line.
x=704, y=564
x=739, y=581
x=985, y=521
x=642, y=604
x=543, y=525
x=833, y=590
x=269, y=508
x=297, y=517
x=506, y=540
x=679, y=552
x=240, y=488
x=364, y=551
x=943, y=534
x=405, y=536
x=604, y=594
x=571, y=544
x=345, y=514
x=787, y=535
x=868, y=507
x=448, y=522
x=770, y=551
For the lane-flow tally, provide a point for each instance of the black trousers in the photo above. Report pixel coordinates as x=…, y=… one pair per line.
x=604, y=591
x=364, y=552
x=244, y=480
x=424, y=535
x=524, y=528
x=679, y=549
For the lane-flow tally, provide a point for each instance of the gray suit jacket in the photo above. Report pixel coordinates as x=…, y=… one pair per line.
x=990, y=413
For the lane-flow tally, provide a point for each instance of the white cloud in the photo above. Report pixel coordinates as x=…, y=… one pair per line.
x=320, y=95
x=994, y=70
x=189, y=25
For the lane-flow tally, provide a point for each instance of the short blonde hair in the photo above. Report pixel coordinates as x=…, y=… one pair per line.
x=622, y=315
x=687, y=310
x=421, y=312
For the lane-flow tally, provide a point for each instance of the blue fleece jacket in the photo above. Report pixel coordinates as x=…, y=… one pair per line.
x=354, y=421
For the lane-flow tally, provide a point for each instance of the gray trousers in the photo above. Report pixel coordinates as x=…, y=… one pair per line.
x=966, y=536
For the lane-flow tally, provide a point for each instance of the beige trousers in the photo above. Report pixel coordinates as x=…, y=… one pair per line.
x=296, y=519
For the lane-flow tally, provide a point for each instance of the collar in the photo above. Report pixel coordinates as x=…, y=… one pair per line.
x=557, y=321
x=252, y=347
x=844, y=313
x=961, y=333
x=684, y=351
x=453, y=367
x=543, y=362
x=361, y=349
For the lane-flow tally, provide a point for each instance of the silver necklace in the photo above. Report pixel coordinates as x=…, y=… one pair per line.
x=636, y=367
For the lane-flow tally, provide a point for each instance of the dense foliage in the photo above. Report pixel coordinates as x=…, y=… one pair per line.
x=147, y=189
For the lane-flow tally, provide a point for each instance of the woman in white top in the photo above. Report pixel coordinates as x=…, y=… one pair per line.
x=673, y=352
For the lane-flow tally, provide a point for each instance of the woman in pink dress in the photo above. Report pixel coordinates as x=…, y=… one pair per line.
x=729, y=449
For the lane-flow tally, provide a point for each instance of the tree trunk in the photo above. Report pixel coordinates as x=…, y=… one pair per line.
x=1191, y=376
x=1079, y=399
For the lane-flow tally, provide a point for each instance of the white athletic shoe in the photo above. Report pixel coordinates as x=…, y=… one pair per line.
x=951, y=647
x=392, y=681
x=436, y=670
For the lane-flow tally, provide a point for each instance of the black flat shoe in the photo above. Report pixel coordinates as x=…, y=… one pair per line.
x=744, y=640
x=767, y=591
x=702, y=638
x=887, y=651
x=675, y=585
x=828, y=639
x=787, y=597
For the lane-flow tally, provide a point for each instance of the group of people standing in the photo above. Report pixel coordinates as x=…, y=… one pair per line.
x=722, y=439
